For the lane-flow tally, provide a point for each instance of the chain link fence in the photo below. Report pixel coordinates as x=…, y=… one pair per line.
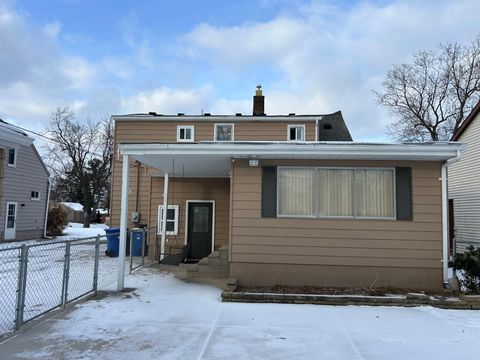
x=36, y=278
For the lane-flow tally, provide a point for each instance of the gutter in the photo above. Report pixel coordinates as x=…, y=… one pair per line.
x=49, y=185
x=445, y=225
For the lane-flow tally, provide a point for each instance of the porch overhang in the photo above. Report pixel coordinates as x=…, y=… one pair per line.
x=213, y=159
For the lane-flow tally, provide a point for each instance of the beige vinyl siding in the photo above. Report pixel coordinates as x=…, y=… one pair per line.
x=150, y=196
x=362, y=243
x=166, y=131
x=464, y=189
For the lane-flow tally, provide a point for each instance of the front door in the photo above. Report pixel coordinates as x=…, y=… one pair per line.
x=11, y=221
x=200, y=220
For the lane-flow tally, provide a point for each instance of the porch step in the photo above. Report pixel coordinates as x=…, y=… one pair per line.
x=215, y=265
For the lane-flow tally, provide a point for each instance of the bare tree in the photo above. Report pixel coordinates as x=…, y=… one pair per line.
x=80, y=157
x=431, y=96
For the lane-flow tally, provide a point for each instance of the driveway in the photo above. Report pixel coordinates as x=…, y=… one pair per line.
x=165, y=318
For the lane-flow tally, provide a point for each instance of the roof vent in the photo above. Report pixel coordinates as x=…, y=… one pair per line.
x=238, y=114
x=206, y=114
x=152, y=113
x=327, y=126
x=291, y=114
x=180, y=114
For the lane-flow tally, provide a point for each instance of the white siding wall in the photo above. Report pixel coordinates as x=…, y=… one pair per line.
x=18, y=182
x=464, y=188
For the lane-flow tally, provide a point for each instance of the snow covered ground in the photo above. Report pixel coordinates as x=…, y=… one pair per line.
x=165, y=318
x=45, y=272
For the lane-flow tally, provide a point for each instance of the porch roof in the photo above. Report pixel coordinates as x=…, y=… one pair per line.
x=212, y=159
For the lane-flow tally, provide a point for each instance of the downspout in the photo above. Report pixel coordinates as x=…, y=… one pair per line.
x=49, y=185
x=316, y=130
x=445, y=232
x=164, y=219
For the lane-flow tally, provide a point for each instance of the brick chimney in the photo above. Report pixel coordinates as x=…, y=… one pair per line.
x=258, y=102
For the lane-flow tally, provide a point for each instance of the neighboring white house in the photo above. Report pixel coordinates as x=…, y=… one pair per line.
x=24, y=186
x=464, y=183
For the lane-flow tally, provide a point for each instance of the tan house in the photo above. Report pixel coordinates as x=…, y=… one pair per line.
x=464, y=184
x=296, y=201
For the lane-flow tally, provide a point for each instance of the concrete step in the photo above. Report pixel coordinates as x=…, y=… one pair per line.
x=215, y=261
x=213, y=270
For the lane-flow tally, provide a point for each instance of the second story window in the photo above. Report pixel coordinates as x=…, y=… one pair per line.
x=223, y=132
x=34, y=195
x=185, y=133
x=296, y=132
x=12, y=157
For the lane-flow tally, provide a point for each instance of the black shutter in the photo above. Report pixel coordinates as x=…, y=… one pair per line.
x=403, y=177
x=269, y=191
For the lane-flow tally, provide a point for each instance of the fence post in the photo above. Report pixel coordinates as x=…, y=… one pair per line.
x=66, y=274
x=95, y=266
x=21, y=286
x=131, y=246
x=144, y=240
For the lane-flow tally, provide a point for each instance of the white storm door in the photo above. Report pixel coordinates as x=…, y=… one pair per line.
x=11, y=221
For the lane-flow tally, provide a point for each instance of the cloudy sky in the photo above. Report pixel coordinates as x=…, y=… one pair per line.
x=112, y=57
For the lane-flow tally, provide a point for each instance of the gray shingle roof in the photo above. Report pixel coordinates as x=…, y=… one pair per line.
x=332, y=127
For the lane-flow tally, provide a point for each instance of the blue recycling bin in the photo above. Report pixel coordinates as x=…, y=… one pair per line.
x=113, y=242
x=137, y=240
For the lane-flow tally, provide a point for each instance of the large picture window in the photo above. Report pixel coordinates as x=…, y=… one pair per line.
x=336, y=192
x=295, y=191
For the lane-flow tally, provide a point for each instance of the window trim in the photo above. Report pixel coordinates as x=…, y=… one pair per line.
x=290, y=126
x=223, y=124
x=192, y=129
x=14, y=165
x=35, y=198
x=160, y=219
x=354, y=217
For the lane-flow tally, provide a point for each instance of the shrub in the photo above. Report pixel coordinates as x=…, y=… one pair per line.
x=57, y=219
x=469, y=263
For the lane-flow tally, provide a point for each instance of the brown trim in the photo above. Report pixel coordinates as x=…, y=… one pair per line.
x=466, y=123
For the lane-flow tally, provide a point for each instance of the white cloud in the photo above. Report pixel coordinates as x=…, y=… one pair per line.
x=331, y=58
x=317, y=58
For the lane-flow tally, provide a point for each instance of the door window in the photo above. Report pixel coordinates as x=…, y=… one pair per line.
x=200, y=219
x=11, y=216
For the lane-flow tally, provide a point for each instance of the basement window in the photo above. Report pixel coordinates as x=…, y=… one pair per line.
x=185, y=133
x=172, y=220
x=296, y=132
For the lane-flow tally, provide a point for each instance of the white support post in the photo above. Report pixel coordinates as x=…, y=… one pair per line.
x=164, y=219
x=445, y=223
x=123, y=223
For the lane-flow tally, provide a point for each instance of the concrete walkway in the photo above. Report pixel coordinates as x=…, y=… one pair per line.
x=165, y=318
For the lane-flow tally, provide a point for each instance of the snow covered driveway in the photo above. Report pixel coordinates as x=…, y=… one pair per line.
x=165, y=318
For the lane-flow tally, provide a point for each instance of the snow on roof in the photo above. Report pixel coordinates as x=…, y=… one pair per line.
x=73, y=205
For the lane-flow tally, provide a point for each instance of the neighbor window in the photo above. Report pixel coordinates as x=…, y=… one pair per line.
x=296, y=132
x=185, y=133
x=223, y=132
x=336, y=192
x=172, y=220
x=35, y=195
x=12, y=157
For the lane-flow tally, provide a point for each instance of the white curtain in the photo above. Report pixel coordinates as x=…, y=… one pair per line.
x=374, y=193
x=335, y=188
x=296, y=191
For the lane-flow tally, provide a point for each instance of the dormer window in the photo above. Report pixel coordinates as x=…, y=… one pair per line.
x=223, y=132
x=12, y=157
x=185, y=133
x=296, y=132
